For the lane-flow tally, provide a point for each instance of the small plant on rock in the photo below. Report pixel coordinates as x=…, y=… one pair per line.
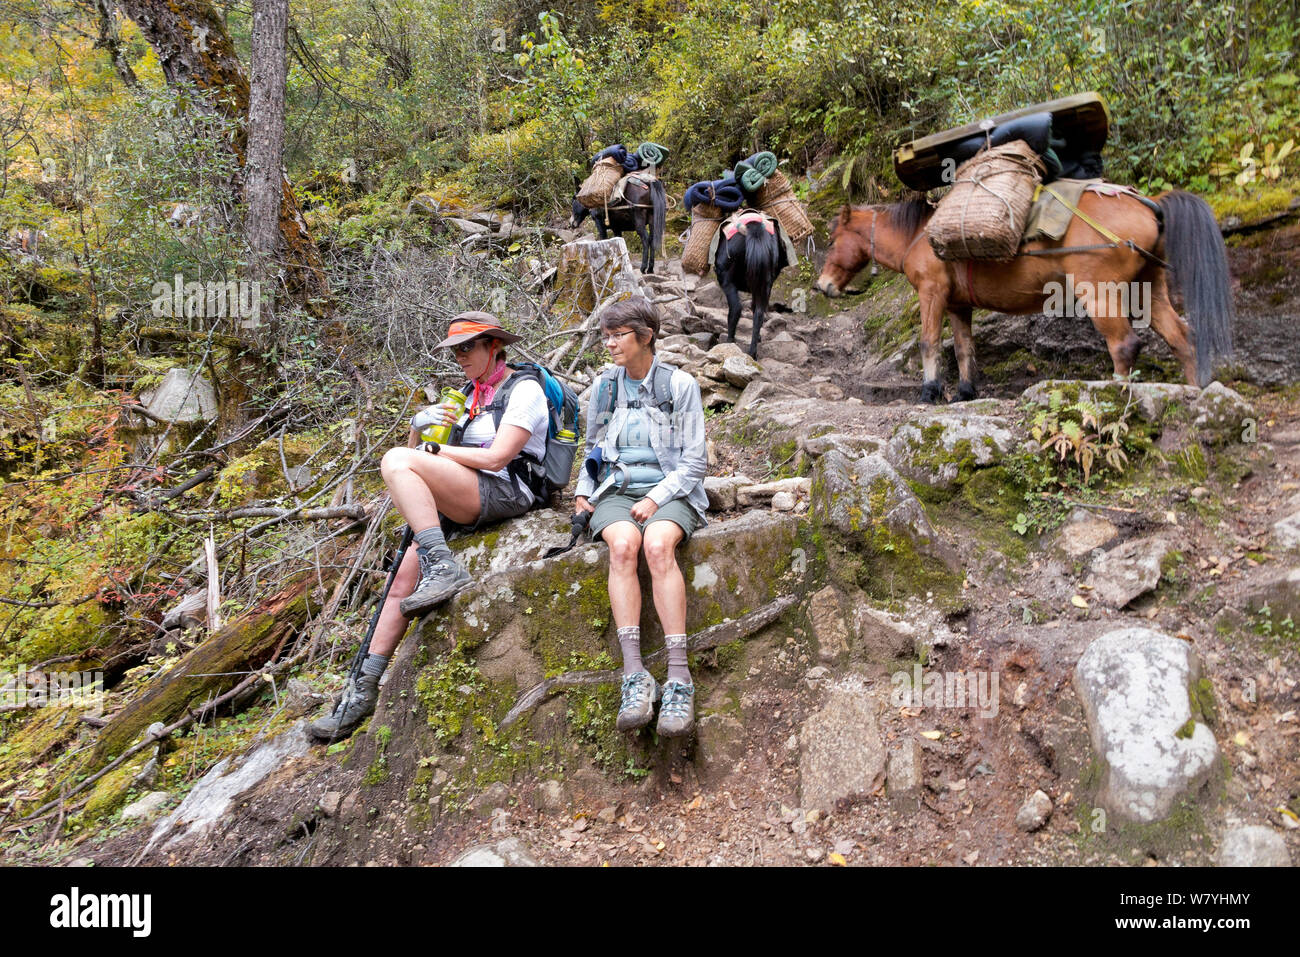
x=1079, y=432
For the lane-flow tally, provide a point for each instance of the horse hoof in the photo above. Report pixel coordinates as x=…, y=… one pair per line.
x=931, y=391
x=965, y=392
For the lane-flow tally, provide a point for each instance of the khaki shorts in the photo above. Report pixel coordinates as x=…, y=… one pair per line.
x=618, y=508
x=499, y=498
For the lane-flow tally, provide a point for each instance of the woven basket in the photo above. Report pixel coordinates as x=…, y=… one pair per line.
x=705, y=221
x=983, y=215
x=597, y=188
x=776, y=198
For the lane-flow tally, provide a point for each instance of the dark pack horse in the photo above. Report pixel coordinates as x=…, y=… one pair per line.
x=749, y=260
x=643, y=210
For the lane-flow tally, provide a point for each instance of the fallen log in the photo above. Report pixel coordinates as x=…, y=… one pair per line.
x=243, y=645
x=711, y=637
x=188, y=335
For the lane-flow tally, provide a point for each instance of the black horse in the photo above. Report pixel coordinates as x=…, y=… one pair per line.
x=644, y=210
x=749, y=262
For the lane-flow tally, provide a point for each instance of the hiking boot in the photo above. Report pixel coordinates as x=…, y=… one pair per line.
x=638, y=706
x=440, y=578
x=357, y=703
x=677, y=713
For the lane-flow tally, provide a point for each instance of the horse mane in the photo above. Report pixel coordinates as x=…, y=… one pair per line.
x=908, y=214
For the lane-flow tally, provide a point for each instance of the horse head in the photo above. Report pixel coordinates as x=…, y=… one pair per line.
x=577, y=213
x=848, y=252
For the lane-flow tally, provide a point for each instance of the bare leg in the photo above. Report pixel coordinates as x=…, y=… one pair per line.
x=392, y=625
x=661, y=539
x=624, y=540
x=423, y=484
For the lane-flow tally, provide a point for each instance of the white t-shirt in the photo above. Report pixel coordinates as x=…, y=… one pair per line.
x=527, y=409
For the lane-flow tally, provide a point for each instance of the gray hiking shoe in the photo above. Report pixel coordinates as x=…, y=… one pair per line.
x=677, y=713
x=440, y=579
x=357, y=703
x=638, y=706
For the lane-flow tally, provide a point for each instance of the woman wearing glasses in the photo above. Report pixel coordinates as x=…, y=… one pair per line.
x=647, y=416
x=445, y=487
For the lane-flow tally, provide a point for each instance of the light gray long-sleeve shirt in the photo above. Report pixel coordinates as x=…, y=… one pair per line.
x=677, y=439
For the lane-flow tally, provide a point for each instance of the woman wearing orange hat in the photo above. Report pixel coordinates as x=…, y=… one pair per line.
x=465, y=485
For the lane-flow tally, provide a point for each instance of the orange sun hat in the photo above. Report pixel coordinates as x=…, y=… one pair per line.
x=475, y=325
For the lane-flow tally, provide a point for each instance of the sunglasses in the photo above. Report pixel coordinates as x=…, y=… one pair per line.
x=465, y=348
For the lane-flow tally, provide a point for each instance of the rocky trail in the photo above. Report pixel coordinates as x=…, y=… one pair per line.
x=1062, y=621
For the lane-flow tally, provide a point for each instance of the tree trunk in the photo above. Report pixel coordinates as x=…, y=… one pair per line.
x=193, y=47
x=263, y=176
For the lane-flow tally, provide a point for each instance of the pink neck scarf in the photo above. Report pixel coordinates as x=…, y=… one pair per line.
x=483, y=391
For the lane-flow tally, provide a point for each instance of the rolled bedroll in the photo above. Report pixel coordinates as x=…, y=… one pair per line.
x=1080, y=122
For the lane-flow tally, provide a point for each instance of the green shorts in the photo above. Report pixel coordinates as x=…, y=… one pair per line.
x=618, y=508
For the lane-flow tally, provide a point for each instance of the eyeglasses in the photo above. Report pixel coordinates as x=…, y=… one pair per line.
x=612, y=338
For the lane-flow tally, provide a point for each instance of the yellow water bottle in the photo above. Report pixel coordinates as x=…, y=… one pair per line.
x=442, y=433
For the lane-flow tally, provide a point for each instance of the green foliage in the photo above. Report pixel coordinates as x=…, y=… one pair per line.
x=453, y=692
x=1282, y=633
x=1079, y=435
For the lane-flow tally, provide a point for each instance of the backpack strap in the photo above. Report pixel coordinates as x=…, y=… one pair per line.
x=661, y=387
x=500, y=400
x=606, y=396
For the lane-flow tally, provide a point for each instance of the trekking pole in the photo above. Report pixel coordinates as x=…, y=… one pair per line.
x=615, y=484
x=355, y=671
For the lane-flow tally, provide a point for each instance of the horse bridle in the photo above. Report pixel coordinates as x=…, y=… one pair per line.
x=871, y=249
x=871, y=246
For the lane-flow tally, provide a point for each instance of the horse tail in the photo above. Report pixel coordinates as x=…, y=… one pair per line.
x=1199, y=269
x=659, y=200
x=761, y=255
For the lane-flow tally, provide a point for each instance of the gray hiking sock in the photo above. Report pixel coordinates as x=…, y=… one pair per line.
x=629, y=639
x=432, y=542
x=374, y=665
x=677, y=667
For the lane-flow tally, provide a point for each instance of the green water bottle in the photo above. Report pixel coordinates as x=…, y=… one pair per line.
x=442, y=433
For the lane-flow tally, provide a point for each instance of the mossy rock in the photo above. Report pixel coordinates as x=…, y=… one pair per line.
x=110, y=792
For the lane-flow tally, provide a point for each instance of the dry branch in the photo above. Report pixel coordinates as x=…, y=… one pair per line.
x=355, y=512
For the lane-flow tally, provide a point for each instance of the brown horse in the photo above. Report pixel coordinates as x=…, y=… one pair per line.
x=1183, y=231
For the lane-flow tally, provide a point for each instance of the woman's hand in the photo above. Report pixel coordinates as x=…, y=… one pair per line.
x=582, y=505
x=442, y=414
x=644, y=509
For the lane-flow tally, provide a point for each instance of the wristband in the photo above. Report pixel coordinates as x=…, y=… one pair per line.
x=432, y=447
